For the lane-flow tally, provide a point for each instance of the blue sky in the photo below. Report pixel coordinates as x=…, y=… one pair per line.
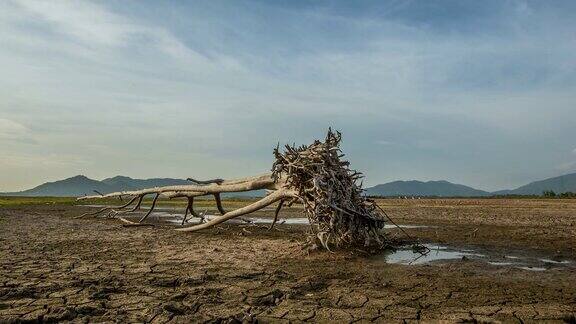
x=475, y=92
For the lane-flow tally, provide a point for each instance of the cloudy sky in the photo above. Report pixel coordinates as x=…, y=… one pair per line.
x=475, y=92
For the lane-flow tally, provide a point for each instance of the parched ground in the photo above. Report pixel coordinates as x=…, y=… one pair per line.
x=55, y=268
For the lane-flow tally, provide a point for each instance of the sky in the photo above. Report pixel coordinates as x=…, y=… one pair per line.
x=481, y=93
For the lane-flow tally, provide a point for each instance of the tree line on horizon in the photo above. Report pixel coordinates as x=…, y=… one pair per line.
x=545, y=194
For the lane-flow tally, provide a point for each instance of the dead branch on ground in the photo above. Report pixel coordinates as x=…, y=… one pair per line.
x=314, y=175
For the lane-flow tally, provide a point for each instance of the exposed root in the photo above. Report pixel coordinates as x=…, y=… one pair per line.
x=332, y=199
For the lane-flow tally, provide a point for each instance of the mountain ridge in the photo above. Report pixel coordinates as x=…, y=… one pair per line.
x=438, y=188
x=559, y=184
x=81, y=185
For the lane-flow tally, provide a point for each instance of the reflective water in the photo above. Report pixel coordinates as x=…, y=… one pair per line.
x=533, y=268
x=408, y=256
x=439, y=253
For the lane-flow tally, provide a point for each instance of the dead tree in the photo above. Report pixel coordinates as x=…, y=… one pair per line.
x=314, y=175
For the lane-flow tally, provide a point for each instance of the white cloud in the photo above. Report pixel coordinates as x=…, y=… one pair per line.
x=84, y=21
x=10, y=130
x=96, y=28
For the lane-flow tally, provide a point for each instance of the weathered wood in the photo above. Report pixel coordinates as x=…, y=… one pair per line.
x=268, y=200
x=315, y=175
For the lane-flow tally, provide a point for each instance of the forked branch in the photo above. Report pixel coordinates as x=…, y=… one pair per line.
x=264, y=202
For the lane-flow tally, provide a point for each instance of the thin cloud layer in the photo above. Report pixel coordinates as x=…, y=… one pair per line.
x=480, y=93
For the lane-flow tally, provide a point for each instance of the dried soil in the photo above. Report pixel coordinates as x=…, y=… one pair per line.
x=55, y=268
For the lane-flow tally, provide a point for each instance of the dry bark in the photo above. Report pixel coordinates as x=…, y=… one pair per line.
x=314, y=175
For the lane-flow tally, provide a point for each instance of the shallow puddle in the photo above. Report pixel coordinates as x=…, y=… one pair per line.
x=409, y=256
x=439, y=253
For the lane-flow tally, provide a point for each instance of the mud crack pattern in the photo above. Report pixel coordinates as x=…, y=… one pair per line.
x=54, y=268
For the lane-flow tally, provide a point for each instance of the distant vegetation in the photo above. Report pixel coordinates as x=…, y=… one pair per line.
x=552, y=194
x=17, y=201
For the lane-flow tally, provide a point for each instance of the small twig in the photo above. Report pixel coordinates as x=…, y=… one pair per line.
x=473, y=234
x=391, y=221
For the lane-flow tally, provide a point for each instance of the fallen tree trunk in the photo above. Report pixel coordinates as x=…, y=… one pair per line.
x=314, y=175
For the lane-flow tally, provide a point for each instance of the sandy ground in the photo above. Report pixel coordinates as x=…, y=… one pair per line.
x=55, y=268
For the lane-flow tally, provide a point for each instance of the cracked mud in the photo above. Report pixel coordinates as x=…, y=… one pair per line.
x=54, y=268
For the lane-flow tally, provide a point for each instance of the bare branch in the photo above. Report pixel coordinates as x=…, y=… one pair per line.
x=315, y=174
x=248, y=184
x=270, y=199
x=205, y=182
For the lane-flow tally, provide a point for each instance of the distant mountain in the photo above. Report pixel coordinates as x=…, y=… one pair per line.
x=419, y=188
x=561, y=184
x=120, y=183
x=75, y=186
x=81, y=185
